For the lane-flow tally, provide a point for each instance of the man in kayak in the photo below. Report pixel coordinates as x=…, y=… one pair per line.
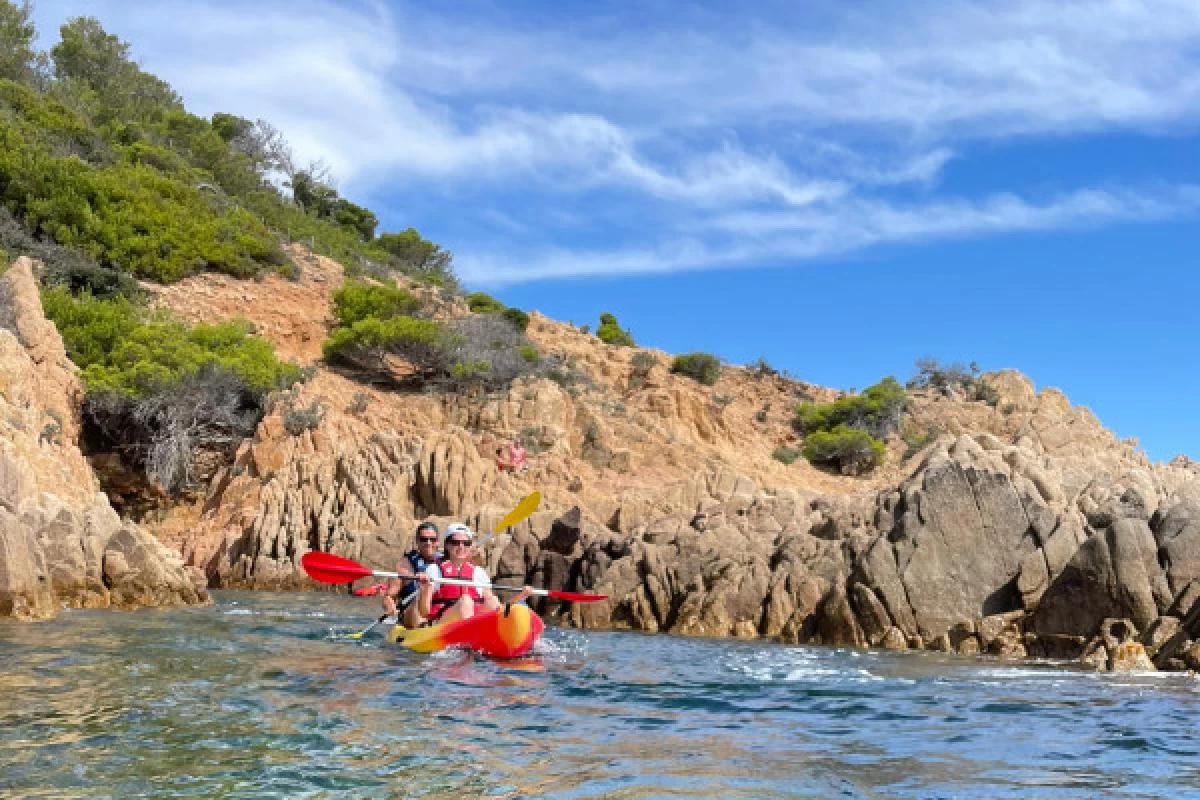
x=445, y=602
x=413, y=563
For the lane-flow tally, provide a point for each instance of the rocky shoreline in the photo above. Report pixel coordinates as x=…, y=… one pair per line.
x=1024, y=530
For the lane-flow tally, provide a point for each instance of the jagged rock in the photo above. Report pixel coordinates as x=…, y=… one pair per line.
x=1113, y=574
x=1177, y=530
x=1161, y=631
x=894, y=639
x=1116, y=649
x=958, y=543
x=56, y=529
x=1191, y=657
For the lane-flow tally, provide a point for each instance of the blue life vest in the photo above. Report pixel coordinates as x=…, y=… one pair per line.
x=419, y=565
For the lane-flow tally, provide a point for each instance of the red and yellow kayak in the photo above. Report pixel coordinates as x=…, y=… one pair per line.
x=509, y=632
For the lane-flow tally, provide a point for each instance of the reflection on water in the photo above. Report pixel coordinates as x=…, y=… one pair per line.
x=257, y=697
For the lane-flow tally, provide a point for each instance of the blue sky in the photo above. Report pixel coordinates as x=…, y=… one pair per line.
x=837, y=187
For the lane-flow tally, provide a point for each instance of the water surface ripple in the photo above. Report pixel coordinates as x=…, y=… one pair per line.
x=258, y=697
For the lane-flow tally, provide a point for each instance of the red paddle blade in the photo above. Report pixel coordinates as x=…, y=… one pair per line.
x=576, y=597
x=328, y=568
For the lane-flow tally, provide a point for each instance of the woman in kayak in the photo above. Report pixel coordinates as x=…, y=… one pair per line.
x=414, y=563
x=445, y=602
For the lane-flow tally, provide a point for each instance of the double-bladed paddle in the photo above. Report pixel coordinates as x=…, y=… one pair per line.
x=328, y=568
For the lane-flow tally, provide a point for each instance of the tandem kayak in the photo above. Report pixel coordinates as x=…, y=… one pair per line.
x=508, y=632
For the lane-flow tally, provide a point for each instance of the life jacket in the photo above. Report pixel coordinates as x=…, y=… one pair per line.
x=419, y=565
x=447, y=594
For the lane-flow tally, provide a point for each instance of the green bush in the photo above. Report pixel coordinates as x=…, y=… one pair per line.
x=517, y=317
x=298, y=420
x=529, y=353
x=357, y=300
x=878, y=411
x=786, y=455
x=122, y=352
x=484, y=303
x=847, y=432
x=369, y=342
x=702, y=367
x=851, y=450
x=610, y=332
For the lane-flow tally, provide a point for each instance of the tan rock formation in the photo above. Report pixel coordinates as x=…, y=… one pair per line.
x=60, y=541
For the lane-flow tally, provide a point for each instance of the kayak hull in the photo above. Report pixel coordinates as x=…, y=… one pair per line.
x=509, y=632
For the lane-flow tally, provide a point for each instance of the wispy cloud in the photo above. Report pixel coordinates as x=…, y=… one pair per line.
x=792, y=133
x=758, y=239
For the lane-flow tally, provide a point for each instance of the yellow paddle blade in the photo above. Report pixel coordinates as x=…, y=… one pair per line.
x=523, y=510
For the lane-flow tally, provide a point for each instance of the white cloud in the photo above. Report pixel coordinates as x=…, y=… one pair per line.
x=778, y=137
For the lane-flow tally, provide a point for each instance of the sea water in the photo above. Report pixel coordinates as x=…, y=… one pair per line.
x=261, y=696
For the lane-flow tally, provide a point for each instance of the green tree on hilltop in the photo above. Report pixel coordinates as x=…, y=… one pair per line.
x=610, y=332
x=95, y=67
x=19, y=61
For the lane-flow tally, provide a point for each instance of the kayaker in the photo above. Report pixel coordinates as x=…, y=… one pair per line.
x=414, y=562
x=445, y=602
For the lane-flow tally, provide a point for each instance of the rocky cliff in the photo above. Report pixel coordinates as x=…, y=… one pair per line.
x=61, y=543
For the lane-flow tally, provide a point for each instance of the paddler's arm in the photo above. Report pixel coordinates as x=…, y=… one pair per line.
x=395, y=586
x=427, y=580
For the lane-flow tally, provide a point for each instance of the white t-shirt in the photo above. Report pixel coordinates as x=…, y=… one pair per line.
x=479, y=577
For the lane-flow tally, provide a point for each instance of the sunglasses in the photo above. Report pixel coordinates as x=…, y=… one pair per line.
x=458, y=543
x=427, y=539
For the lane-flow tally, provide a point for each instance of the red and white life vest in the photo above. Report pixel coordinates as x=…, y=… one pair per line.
x=447, y=594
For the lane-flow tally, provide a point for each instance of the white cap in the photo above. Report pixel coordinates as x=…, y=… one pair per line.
x=458, y=527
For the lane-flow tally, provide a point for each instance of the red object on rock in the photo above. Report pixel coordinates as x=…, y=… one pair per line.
x=369, y=591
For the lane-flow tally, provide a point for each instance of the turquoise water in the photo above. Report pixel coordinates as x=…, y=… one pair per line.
x=256, y=697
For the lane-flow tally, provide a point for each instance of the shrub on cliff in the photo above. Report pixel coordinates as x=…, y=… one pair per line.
x=878, y=411
x=847, y=433
x=851, y=450
x=370, y=344
x=517, y=317
x=953, y=377
x=358, y=300
x=480, y=351
x=702, y=367
x=484, y=303
x=610, y=332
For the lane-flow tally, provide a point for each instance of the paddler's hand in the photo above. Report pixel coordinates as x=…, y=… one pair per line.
x=522, y=595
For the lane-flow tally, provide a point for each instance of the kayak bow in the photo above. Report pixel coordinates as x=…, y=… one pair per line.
x=509, y=632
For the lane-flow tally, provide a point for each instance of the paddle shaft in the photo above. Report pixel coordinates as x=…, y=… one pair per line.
x=378, y=573
x=328, y=568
